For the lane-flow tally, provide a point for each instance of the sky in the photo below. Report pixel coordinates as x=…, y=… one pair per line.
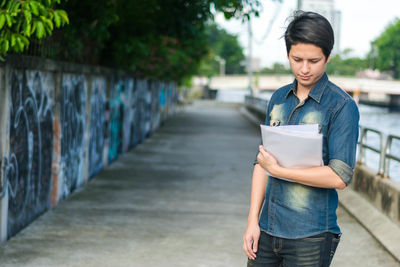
x=361, y=22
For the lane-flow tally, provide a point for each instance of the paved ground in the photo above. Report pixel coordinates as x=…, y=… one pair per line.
x=179, y=199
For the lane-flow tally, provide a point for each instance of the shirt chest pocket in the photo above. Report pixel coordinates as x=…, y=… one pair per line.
x=316, y=117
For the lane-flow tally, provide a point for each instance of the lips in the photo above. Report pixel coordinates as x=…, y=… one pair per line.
x=305, y=78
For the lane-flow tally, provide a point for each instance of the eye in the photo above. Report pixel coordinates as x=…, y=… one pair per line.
x=297, y=59
x=314, y=60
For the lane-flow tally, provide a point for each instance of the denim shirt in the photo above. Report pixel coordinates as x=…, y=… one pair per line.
x=293, y=210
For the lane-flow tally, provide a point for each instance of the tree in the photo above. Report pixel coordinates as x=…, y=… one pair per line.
x=160, y=39
x=166, y=39
x=84, y=38
x=22, y=20
x=277, y=68
x=221, y=46
x=388, y=49
x=346, y=66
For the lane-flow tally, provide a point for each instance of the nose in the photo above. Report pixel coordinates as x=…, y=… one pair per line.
x=305, y=68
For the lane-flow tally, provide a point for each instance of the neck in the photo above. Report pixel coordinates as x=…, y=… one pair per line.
x=302, y=92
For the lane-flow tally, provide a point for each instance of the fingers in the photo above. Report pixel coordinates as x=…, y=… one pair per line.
x=248, y=243
x=262, y=155
x=262, y=150
x=255, y=244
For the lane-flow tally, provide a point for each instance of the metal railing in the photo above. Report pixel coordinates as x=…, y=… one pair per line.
x=384, y=150
x=363, y=146
x=388, y=155
x=258, y=104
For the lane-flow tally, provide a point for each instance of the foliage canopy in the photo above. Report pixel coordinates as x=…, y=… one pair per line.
x=387, y=45
x=344, y=65
x=163, y=39
x=222, y=46
x=21, y=20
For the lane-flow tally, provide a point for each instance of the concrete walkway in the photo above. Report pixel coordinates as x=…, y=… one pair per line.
x=178, y=199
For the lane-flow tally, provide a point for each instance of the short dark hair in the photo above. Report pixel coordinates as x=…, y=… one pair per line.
x=310, y=28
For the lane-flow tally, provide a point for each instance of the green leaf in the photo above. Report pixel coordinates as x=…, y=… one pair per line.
x=42, y=9
x=13, y=40
x=27, y=30
x=50, y=24
x=33, y=28
x=63, y=15
x=34, y=8
x=40, y=32
x=20, y=44
x=2, y=20
x=15, y=9
x=9, y=5
x=25, y=40
x=28, y=16
x=46, y=22
x=57, y=19
x=6, y=45
x=48, y=30
x=9, y=20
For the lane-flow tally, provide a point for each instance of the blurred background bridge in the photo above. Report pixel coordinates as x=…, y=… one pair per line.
x=371, y=91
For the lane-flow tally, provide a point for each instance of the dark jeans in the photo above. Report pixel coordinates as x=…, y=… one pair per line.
x=316, y=250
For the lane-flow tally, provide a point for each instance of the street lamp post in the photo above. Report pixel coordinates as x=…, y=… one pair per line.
x=249, y=56
x=298, y=4
x=222, y=63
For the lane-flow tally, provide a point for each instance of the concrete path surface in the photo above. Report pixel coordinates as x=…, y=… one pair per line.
x=178, y=199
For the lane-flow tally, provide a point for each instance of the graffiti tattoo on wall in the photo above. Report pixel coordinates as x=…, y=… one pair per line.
x=155, y=105
x=97, y=125
x=127, y=123
x=27, y=167
x=73, y=121
x=116, y=107
x=135, y=125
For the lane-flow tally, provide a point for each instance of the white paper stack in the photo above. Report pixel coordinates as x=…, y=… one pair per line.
x=294, y=146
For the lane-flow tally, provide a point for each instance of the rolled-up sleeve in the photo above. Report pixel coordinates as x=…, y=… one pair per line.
x=342, y=169
x=342, y=140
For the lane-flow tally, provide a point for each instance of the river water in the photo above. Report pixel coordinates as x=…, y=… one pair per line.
x=382, y=119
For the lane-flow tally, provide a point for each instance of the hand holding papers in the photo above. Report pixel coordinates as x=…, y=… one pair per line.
x=294, y=146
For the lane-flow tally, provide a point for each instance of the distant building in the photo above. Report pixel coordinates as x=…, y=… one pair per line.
x=327, y=9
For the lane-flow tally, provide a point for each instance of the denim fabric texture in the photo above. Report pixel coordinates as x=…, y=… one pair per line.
x=314, y=251
x=293, y=210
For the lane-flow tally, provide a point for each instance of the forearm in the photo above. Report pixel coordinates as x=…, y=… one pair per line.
x=259, y=181
x=322, y=176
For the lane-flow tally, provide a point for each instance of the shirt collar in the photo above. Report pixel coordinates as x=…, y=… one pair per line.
x=316, y=92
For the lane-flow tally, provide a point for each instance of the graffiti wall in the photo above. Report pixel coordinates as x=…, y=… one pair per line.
x=97, y=125
x=138, y=111
x=28, y=164
x=116, y=111
x=155, y=105
x=73, y=123
x=63, y=128
x=128, y=122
